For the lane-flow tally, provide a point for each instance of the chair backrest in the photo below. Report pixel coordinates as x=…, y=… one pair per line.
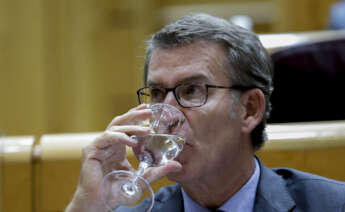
x=16, y=173
x=309, y=81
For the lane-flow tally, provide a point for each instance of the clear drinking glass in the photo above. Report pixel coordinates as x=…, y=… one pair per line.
x=164, y=143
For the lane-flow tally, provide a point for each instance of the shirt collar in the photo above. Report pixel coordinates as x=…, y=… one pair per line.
x=243, y=200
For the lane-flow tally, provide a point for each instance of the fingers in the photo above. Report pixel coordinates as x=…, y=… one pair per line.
x=109, y=137
x=139, y=107
x=130, y=130
x=133, y=116
x=111, y=145
x=119, y=136
x=109, y=150
x=155, y=173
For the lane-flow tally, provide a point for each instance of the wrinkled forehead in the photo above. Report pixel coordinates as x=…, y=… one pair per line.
x=198, y=61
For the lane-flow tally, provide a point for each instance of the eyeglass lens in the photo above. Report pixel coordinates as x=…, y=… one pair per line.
x=188, y=95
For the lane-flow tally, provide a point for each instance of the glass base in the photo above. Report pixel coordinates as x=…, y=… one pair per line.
x=125, y=188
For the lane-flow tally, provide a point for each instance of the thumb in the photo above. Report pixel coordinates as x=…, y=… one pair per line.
x=155, y=173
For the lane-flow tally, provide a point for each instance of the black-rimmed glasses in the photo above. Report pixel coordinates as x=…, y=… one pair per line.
x=187, y=95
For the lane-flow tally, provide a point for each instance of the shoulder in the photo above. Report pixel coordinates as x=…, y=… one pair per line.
x=312, y=190
x=295, y=178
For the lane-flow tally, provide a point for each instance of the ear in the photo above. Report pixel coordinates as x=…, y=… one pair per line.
x=253, y=109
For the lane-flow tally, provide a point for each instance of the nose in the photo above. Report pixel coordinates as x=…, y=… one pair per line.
x=170, y=99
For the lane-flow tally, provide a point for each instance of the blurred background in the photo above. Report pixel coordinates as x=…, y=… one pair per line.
x=72, y=65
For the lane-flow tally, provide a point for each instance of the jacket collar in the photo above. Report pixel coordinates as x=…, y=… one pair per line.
x=171, y=201
x=272, y=194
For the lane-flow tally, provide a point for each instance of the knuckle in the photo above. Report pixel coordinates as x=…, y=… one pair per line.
x=87, y=151
x=110, y=128
x=117, y=119
x=108, y=135
x=113, y=136
x=133, y=109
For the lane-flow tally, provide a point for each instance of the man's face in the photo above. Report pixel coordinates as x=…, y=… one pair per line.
x=213, y=134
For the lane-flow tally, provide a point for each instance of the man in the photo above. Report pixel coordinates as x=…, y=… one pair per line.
x=230, y=71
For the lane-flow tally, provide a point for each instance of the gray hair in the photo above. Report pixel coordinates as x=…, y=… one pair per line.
x=249, y=62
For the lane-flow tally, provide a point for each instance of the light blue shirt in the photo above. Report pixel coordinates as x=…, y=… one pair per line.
x=241, y=201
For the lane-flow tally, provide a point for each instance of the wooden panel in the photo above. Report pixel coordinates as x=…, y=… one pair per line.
x=1, y=175
x=16, y=174
x=295, y=15
x=283, y=158
x=195, y=2
x=328, y=162
x=71, y=65
x=288, y=15
x=58, y=161
x=278, y=41
x=21, y=67
x=261, y=12
x=317, y=147
x=89, y=63
x=302, y=15
x=322, y=13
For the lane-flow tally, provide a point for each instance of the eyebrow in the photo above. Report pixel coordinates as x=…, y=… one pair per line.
x=195, y=78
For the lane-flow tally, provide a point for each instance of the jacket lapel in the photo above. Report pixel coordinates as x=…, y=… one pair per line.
x=172, y=202
x=272, y=194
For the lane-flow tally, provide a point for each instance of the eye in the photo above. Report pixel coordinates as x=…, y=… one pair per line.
x=157, y=94
x=191, y=91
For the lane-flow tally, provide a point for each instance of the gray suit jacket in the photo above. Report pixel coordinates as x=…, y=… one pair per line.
x=279, y=190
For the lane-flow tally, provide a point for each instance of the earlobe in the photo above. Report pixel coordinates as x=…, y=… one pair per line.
x=253, y=103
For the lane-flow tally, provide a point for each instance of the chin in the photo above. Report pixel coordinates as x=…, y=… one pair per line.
x=185, y=159
x=183, y=176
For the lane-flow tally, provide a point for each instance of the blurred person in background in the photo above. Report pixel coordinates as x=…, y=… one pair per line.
x=229, y=75
x=337, y=15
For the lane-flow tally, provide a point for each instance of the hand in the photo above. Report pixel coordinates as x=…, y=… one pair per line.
x=107, y=153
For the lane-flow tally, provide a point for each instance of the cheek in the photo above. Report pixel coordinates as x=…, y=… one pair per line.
x=211, y=123
x=213, y=132
x=206, y=124
x=198, y=124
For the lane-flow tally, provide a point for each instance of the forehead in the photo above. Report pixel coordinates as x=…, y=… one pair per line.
x=198, y=61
